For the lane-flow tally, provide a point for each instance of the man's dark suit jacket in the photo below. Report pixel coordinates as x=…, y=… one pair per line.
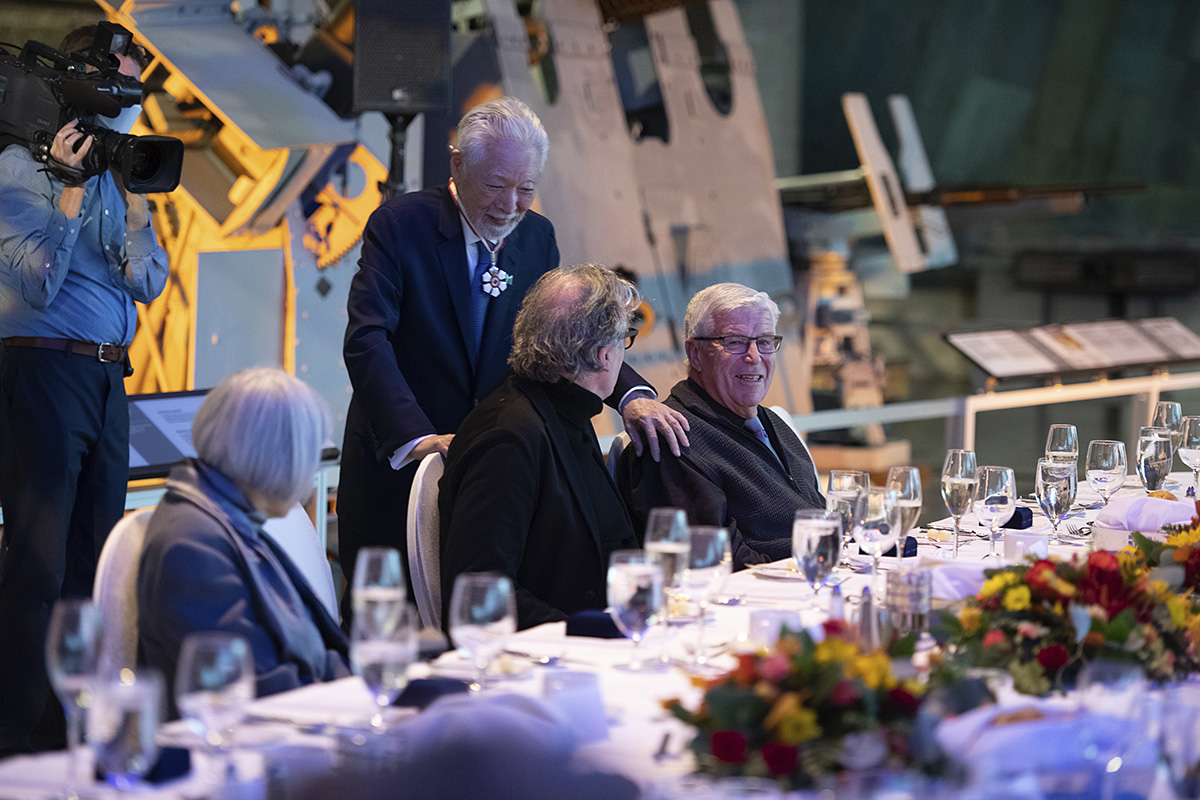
x=410, y=352
x=513, y=500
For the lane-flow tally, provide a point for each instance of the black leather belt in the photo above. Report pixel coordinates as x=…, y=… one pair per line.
x=105, y=351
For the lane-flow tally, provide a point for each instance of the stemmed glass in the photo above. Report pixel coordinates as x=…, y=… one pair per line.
x=214, y=682
x=1055, y=490
x=846, y=496
x=381, y=650
x=379, y=587
x=1153, y=457
x=1062, y=443
x=123, y=718
x=1168, y=415
x=959, y=476
x=816, y=545
x=73, y=646
x=1107, y=467
x=635, y=599
x=483, y=614
x=709, y=564
x=995, y=500
x=1189, y=449
x=906, y=482
x=1113, y=691
x=668, y=540
x=879, y=528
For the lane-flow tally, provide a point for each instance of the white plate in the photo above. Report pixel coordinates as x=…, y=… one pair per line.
x=776, y=572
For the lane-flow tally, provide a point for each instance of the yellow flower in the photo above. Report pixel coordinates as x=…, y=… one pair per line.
x=969, y=618
x=1017, y=598
x=875, y=670
x=799, y=727
x=1184, y=538
x=1179, y=607
x=787, y=704
x=997, y=583
x=835, y=649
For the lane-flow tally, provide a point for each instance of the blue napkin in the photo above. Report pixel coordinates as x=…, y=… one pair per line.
x=423, y=691
x=593, y=622
x=172, y=763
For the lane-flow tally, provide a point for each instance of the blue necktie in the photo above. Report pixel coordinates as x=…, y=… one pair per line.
x=755, y=427
x=479, y=298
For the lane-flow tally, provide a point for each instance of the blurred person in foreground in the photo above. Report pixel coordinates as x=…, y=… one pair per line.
x=207, y=565
x=525, y=491
x=744, y=467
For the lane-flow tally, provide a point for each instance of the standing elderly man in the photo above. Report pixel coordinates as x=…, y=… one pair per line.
x=525, y=491
x=75, y=253
x=745, y=468
x=431, y=312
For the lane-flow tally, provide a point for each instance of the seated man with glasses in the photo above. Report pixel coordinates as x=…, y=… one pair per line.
x=744, y=467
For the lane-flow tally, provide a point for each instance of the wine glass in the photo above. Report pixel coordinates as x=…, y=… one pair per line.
x=214, y=682
x=1189, y=449
x=709, y=564
x=1153, y=458
x=379, y=587
x=483, y=614
x=381, y=654
x=1168, y=415
x=846, y=495
x=879, y=528
x=906, y=482
x=816, y=545
x=995, y=500
x=1062, y=443
x=1113, y=693
x=668, y=541
x=1055, y=490
x=123, y=718
x=959, y=476
x=635, y=598
x=1107, y=467
x=74, y=642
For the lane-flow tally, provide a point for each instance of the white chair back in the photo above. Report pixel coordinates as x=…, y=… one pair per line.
x=619, y=442
x=115, y=589
x=786, y=416
x=424, y=540
x=297, y=537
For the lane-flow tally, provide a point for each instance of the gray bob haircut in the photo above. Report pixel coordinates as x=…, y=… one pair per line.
x=506, y=119
x=568, y=315
x=264, y=429
x=698, y=321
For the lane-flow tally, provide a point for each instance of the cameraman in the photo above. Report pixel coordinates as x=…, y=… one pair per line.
x=73, y=259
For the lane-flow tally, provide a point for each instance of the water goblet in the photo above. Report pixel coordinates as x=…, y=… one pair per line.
x=635, y=599
x=214, y=682
x=816, y=545
x=1169, y=415
x=1062, y=443
x=381, y=651
x=846, y=494
x=959, y=477
x=123, y=718
x=1153, y=458
x=995, y=500
x=1106, y=467
x=1055, y=490
x=1189, y=449
x=906, y=482
x=709, y=564
x=878, y=530
x=667, y=542
x=74, y=642
x=1113, y=694
x=483, y=614
x=379, y=587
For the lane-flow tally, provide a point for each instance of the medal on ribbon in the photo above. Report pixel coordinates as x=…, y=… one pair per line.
x=495, y=281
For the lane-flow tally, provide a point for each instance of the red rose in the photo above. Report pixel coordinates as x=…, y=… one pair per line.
x=746, y=671
x=843, y=693
x=1104, y=560
x=728, y=746
x=1052, y=657
x=994, y=638
x=779, y=757
x=904, y=700
x=836, y=627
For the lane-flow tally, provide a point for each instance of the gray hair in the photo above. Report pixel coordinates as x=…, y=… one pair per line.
x=264, y=429
x=568, y=315
x=506, y=119
x=708, y=302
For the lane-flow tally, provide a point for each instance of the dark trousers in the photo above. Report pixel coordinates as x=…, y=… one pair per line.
x=64, y=467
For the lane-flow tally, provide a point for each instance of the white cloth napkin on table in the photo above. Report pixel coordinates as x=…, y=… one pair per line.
x=954, y=579
x=1144, y=514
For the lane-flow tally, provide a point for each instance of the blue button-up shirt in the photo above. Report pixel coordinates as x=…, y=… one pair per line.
x=70, y=278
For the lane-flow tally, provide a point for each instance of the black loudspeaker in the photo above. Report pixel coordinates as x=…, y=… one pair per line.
x=402, y=56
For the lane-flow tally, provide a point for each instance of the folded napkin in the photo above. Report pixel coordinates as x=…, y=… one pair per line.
x=954, y=579
x=593, y=622
x=1144, y=514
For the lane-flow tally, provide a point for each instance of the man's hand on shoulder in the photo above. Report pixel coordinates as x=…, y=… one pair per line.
x=643, y=416
x=432, y=444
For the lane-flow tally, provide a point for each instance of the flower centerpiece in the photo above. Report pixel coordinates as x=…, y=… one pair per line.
x=1042, y=619
x=804, y=709
x=1177, y=559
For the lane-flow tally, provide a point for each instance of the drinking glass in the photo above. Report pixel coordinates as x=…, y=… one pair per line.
x=381, y=656
x=1106, y=467
x=995, y=500
x=1114, y=694
x=1153, y=458
x=879, y=529
x=214, y=682
x=906, y=482
x=379, y=587
x=1189, y=449
x=846, y=495
x=709, y=564
x=1055, y=490
x=483, y=614
x=123, y=718
x=668, y=541
x=1168, y=415
x=1062, y=443
x=959, y=477
x=635, y=598
x=74, y=642
x=816, y=545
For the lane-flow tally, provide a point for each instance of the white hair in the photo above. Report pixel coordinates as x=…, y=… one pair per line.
x=264, y=429
x=708, y=302
x=506, y=119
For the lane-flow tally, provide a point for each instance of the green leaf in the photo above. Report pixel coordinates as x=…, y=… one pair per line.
x=1120, y=626
x=1151, y=549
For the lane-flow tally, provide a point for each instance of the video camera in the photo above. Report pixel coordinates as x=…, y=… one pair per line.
x=43, y=89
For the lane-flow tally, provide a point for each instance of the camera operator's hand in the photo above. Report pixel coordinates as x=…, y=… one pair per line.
x=69, y=147
x=137, y=207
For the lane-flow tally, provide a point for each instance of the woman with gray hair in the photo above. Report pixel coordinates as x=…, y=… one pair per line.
x=525, y=491
x=206, y=564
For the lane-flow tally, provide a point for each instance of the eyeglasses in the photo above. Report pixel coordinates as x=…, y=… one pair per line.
x=630, y=335
x=738, y=345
